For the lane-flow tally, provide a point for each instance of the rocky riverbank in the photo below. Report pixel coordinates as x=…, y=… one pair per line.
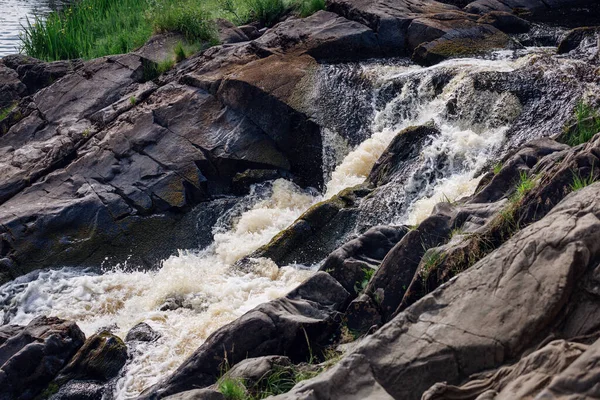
x=490, y=296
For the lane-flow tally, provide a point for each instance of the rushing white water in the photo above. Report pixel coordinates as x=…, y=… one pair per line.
x=210, y=291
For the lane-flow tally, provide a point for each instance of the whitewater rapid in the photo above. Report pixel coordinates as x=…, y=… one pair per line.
x=203, y=281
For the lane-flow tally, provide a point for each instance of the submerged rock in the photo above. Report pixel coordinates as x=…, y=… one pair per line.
x=142, y=332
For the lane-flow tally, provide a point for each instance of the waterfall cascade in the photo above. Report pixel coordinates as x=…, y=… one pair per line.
x=196, y=292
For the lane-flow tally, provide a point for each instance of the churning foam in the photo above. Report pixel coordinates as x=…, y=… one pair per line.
x=211, y=292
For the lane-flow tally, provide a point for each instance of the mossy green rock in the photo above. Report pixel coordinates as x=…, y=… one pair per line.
x=100, y=358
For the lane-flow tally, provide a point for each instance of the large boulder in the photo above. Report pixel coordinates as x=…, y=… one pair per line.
x=304, y=319
x=486, y=316
x=324, y=36
x=31, y=359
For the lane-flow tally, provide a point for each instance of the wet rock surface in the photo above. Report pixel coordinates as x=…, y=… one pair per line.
x=31, y=358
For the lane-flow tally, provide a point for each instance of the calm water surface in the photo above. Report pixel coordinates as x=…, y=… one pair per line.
x=13, y=14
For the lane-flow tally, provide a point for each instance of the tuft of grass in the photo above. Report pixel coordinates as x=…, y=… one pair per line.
x=580, y=182
x=524, y=186
x=232, y=389
x=431, y=260
x=497, y=168
x=267, y=12
x=180, y=53
x=361, y=284
x=280, y=381
x=4, y=113
x=309, y=7
x=132, y=100
x=88, y=29
x=188, y=17
x=587, y=124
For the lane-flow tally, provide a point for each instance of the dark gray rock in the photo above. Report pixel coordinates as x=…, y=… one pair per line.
x=573, y=38
x=253, y=370
x=400, y=154
x=390, y=282
x=348, y=263
x=556, y=12
x=325, y=36
x=30, y=359
x=11, y=87
x=464, y=40
x=8, y=331
x=142, y=332
x=579, y=380
x=229, y=33
x=506, y=22
x=522, y=380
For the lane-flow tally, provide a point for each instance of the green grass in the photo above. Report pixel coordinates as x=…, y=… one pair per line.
x=310, y=7
x=232, y=389
x=361, y=284
x=4, y=113
x=94, y=28
x=523, y=186
x=587, y=124
x=88, y=29
x=580, y=182
x=497, y=168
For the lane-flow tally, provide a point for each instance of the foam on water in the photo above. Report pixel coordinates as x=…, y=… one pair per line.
x=211, y=292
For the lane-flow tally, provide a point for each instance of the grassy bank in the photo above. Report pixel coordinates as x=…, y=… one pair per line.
x=94, y=28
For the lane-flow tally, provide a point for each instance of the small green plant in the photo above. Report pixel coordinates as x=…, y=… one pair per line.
x=232, y=389
x=180, y=53
x=456, y=232
x=524, y=186
x=309, y=7
x=132, y=100
x=86, y=133
x=361, y=285
x=267, y=12
x=587, y=124
x=497, y=168
x=4, y=113
x=446, y=199
x=580, y=182
x=164, y=66
x=188, y=17
x=431, y=260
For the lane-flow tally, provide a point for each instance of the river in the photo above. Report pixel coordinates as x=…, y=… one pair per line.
x=14, y=15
